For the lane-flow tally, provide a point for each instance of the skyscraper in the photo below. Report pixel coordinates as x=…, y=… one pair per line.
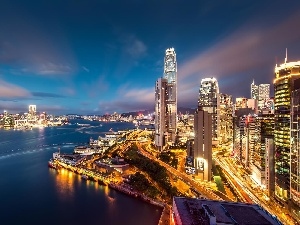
x=264, y=123
x=263, y=94
x=203, y=144
x=285, y=74
x=209, y=101
x=254, y=91
x=295, y=150
x=160, y=94
x=32, y=110
x=166, y=102
x=226, y=119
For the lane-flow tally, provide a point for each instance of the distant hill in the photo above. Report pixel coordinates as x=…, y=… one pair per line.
x=181, y=110
x=144, y=112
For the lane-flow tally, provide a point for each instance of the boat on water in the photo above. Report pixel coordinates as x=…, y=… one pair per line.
x=83, y=124
x=51, y=164
x=85, y=177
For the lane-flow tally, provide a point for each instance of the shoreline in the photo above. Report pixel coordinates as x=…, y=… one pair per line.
x=121, y=188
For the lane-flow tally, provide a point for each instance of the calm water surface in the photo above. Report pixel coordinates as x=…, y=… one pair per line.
x=31, y=193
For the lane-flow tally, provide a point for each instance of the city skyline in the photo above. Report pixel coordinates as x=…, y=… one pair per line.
x=98, y=57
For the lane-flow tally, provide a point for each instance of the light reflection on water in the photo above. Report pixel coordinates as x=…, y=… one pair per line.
x=65, y=183
x=57, y=194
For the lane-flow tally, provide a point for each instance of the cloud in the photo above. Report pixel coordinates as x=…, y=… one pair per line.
x=245, y=54
x=13, y=107
x=11, y=91
x=47, y=95
x=85, y=69
x=132, y=100
x=50, y=68
x=134, y=47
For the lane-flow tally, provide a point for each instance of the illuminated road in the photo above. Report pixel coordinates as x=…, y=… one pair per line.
x=242, y=186
x=248, y=193
x=204, y=191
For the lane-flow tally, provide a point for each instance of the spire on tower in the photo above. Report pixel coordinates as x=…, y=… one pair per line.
x=285, y=60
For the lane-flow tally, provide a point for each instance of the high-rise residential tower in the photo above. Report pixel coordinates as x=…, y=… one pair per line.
x=166, y=102
x=209, y=101
x=285, y=74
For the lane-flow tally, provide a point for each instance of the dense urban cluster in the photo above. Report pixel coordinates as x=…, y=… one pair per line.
x=260, y=132
x=227, y=151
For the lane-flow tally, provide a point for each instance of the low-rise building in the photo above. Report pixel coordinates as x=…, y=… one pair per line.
x=187, y=211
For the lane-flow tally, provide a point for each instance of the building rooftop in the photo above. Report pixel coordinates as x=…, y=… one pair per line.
x=205, y=212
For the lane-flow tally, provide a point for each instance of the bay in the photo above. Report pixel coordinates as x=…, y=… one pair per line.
x=31, y=193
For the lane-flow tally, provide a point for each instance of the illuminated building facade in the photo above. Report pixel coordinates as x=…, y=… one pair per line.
x=263, y=94
x=240, y=103
x=264, y=130
x=239, y=133
x=295, y=149
x=249, y=139
x=32, y=111
x=203, y=144
x=285, y=74
x=269, y=106
x=254, y=91
x=166, y=102
x=253, y=104
x=209, y=101
x=226, y=112
x=160, y=95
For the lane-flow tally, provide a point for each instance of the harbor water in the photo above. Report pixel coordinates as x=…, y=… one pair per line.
x=31, y=193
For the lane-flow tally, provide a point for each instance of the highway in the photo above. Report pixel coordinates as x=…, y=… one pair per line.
x=244, y=188
x=206, y=193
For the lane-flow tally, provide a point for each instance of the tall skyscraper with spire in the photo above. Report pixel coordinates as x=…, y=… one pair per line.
x=166, y=102
x=254, y=91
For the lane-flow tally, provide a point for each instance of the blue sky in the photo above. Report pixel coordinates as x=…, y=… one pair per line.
x=96, y=57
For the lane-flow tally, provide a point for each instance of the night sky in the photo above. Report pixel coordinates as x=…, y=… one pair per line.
x=97, y=57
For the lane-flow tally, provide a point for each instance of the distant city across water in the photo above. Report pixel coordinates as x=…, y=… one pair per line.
x=31, y=193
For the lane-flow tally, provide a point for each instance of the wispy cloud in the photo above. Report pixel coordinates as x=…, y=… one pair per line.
x=85, y=69
x=12, y=91
x=134, y=46
x=130, y=100
x=47, y=95
x=245, y=53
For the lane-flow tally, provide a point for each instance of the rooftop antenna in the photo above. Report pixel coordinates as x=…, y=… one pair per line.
x=285, y=60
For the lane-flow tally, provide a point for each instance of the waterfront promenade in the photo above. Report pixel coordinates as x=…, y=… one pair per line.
x=120, y=186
